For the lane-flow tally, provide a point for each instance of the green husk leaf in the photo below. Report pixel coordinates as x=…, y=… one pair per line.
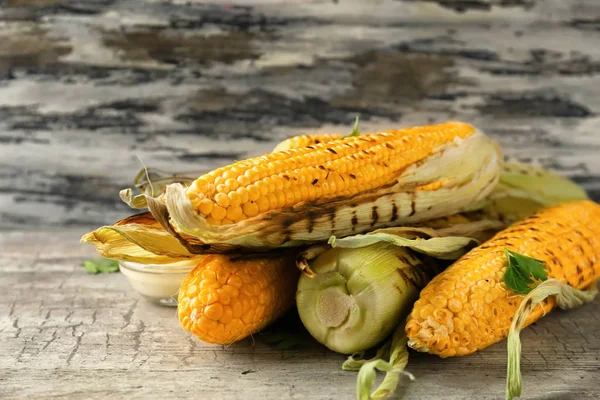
x=445, y=248
x=539, y=184
x=355, y=361
x=524, y=189
x=393, y=369
x=566, y=297
x=522, y=271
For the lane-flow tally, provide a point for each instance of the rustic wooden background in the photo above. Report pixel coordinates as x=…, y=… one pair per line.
x=88, y=86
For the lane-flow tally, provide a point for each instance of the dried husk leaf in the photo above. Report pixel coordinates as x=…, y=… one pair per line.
x=139, y=238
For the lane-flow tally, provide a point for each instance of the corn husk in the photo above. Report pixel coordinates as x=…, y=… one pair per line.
x=358, y=291
x=524, y=189
x=139, y=238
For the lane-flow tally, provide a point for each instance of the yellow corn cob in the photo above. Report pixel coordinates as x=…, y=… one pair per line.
x=342, y=187
x=468, y=307
x=224, y=300
x=297, y=142
x=343, y=168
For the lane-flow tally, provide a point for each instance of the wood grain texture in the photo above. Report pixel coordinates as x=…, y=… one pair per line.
x=88, y=86
x=64, y=333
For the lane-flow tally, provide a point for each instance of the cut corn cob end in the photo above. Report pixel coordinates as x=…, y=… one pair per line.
x=224, y=300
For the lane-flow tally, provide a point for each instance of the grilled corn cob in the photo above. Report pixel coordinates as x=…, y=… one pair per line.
x=468, y=307
x=225, y=299
x=345, y=186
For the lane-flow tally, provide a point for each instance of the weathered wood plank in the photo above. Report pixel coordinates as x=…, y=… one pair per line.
x=88, y=86
x=64, y=333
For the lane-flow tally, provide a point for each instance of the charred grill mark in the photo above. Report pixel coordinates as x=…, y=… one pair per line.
x=407, y=279
x=322, y=167
x=311, y=147
x=374, y=216
x=288, y=221
x=579, y=270
x=394, y=212
x=287, y=178
x=553, y=257
x=587, y=240
x=287, y=235
x=354, y=221
x=413, y=205
x=315, y=181
x=311, y=216
x=317, y=141
x=332, y=219
x=389, y=146
x=329, y=149
x=352, y=176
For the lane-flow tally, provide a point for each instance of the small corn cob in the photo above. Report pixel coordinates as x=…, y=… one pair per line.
x=297, y=142
x=341, y=187
x=224, y=300
x=468, y=306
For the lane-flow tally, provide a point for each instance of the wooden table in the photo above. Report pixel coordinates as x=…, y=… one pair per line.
x=88, y=88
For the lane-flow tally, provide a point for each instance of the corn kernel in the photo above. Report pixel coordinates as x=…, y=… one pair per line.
x=205, y=206
x=263, y=204
x=222, y=200
x=250, y=209
x=243, y=193
x=218, y=213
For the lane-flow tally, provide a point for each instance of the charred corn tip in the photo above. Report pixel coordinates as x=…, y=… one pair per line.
x=326, y=170
x=224, y=300
x=468, y=307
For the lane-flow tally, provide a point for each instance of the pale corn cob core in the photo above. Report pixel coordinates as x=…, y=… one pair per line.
x=338, y=168
x=468, y=307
